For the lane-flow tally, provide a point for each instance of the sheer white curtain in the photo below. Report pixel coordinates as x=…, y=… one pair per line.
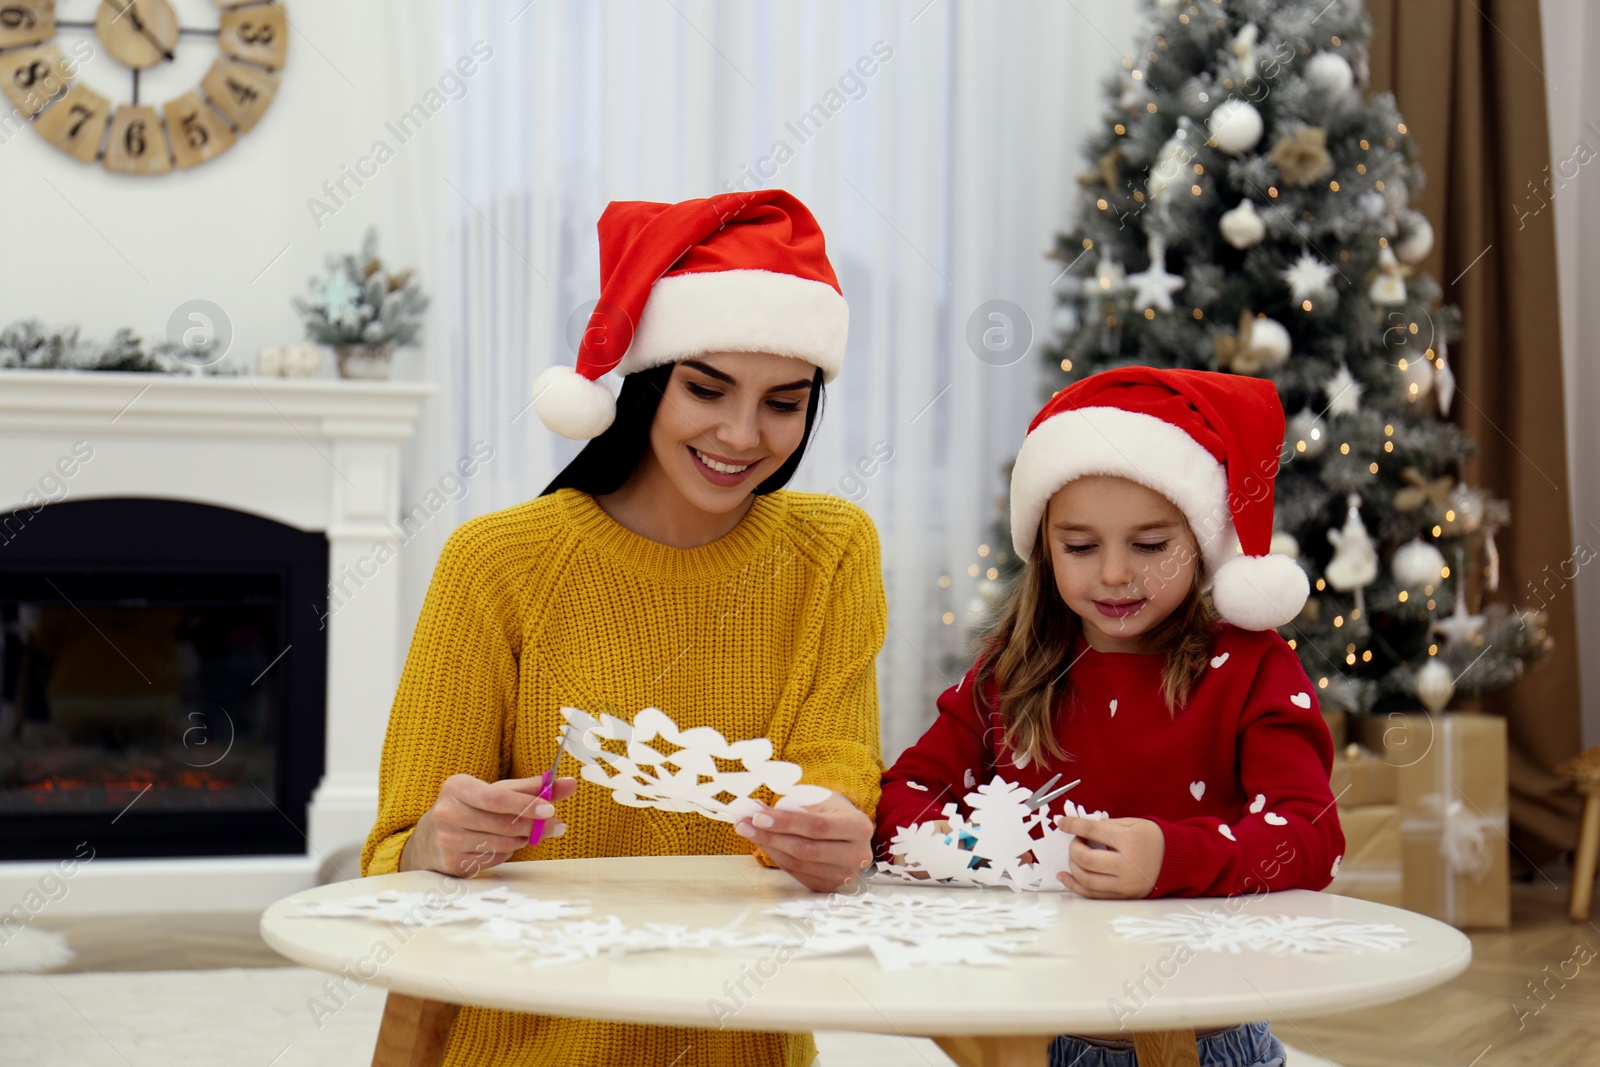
x=937, y=144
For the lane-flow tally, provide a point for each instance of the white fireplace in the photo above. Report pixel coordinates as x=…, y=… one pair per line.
x=317, y=455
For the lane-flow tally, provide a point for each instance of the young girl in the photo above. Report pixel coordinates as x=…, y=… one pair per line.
x=1190, y=721
x=666, y=566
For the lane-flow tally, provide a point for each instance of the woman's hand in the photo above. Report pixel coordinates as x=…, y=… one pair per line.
x=822, y=847
x=1126, y=868
x=475, y=825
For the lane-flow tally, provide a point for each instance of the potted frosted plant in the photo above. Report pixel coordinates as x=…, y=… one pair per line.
x=363, y=311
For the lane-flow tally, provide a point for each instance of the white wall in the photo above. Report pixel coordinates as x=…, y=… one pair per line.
x=1571, y=36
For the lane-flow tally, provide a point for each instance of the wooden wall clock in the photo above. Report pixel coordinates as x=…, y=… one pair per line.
x=133, y=137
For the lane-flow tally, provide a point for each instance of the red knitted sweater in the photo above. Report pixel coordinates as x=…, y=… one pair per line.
x=1237, y=779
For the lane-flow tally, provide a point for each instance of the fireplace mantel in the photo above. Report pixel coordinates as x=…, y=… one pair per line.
x=317, y=454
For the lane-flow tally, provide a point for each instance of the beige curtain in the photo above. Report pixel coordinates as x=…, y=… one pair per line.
x=1469, y=78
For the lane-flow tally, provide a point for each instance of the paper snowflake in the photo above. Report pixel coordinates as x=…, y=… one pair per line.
x=904, y=930
x=1001, y=843
x=553, y=944
x=1278, y=934
x=435, y=909
x=663, y=767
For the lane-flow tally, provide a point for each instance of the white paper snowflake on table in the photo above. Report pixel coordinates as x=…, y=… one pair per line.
x=904, y=930
x=553, y=944
x=435, y=909
x=1277, y=934
x=670, y=769
x=1001, y=843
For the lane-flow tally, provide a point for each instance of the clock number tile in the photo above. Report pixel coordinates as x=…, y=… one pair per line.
x=240, y=91
x=32, y=77
x=257, y=35
x=197, y=132
x=76, y=124
x=138, y=142
x=26, y=22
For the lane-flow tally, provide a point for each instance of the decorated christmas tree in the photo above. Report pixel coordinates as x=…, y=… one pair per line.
x=1247, y=209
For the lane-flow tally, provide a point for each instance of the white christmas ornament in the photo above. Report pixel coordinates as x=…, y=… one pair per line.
x=1236, y=126
x=1242, y=227
x=1461, y=627
x=1310, y=278
x=1444, y=379
x=1417, y=373
x=1416, y=564
x=1243, y=47
x=1388, y=289
x=1372, y=205
x=1269, y=337
x=1153, y=287
x=1330, y=73
x=1354, y=565
x=1419, y=242
x=1492, y=561
x=1170, y=166
x=676, y=770
x=1433, y=686
x=1396, y=194
x=1284, y=544
x=1002, y=843
x=1343, y=392
x=1308, y=434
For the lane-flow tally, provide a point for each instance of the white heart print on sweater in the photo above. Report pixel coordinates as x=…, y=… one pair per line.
x=1260, y=802
x=1217, y=661
x=1301, y=700
x=1198, y=789
x=1113, y=709
x=1274, y=819
x=1335, y=872
x=1223, y=829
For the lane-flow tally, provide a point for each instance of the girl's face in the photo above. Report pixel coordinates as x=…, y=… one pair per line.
x=727, y=422
x=1123, y=557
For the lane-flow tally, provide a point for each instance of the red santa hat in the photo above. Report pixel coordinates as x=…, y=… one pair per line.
x=1206, y=441
x=736, y=272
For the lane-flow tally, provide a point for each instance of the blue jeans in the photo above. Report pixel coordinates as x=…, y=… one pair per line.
x=1245, y=1045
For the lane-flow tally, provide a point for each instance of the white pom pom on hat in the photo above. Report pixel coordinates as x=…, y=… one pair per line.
x=1207, y=441
x=735, y=272
x=572, y=405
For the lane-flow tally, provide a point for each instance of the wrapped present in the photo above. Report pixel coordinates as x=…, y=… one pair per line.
x=1371, y=868
x=1452, y=794
x=1361, y=777
x=1338, y=726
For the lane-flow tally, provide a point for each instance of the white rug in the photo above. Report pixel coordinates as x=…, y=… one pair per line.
x=260, y=1018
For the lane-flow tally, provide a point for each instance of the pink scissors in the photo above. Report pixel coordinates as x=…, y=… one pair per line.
x=549, y=786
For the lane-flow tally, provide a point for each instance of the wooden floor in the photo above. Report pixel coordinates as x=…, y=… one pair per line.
x=1474, y=1021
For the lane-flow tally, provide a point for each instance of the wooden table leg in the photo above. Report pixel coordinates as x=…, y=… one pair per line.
x=1583, y=863
x=997, y=1051
x=414, y=1032
x=1166, y=1048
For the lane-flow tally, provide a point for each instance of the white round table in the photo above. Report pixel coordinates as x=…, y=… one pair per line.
x=1085, y=979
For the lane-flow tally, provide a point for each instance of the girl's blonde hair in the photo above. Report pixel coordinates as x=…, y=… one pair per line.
x=1027, y=651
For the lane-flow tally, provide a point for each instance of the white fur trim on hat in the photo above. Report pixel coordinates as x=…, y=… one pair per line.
x=692, y=314
x=572, y=405
x=1125, y=444
x=1259, y=592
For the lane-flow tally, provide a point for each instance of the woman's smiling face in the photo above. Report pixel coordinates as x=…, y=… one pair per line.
x=727, y=422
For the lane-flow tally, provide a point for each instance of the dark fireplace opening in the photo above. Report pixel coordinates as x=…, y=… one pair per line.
x=162, y=681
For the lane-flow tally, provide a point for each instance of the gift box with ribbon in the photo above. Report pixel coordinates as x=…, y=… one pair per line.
x=1452, y=794
x=1361, y=777
x=1371, y=865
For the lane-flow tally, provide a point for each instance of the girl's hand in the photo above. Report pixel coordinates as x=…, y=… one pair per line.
x=822, y=847
x=1126, y=868
x=475, y=825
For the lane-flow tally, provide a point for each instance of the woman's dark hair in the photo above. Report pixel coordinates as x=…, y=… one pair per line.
x=608, y=460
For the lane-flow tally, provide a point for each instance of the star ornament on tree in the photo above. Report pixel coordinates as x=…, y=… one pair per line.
x=1461, y=627
x=1343, y=392
x=1153, y=287
x=1310, y=278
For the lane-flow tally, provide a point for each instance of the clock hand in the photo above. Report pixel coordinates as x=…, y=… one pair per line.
x=138, y=24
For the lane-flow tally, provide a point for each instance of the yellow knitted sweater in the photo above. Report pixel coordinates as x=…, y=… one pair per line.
x=772, y=630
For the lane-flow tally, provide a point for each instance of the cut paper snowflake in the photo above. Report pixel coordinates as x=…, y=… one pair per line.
x=907, y=930
x=554, y=944
x=694, y=770
x=1277, y=934
x=435, y=909
x=1001, y=843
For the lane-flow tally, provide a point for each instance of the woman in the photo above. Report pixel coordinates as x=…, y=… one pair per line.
x=661, y=568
